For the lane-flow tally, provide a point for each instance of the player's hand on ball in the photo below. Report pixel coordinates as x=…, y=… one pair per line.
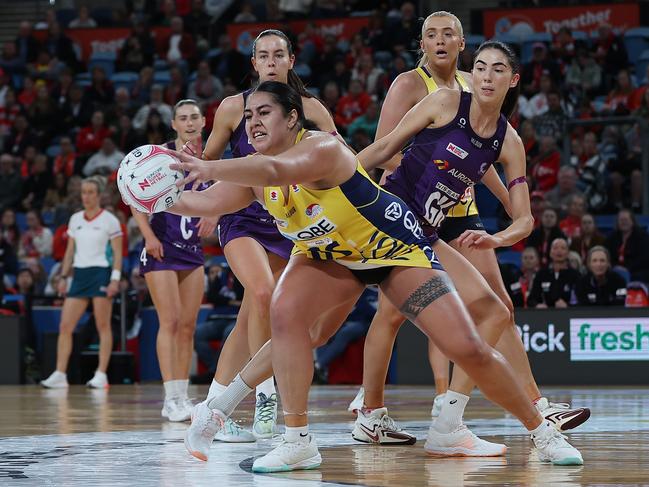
x=196, y=170
x=193, y=147
x=478, y=239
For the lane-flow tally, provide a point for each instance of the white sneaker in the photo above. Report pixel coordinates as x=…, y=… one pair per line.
x=378, y=427
x=98, y=381
x=299, y=455
x=265, y=423
x=460, y=443
x=233, y=433
x=358, y=402
x=56, y=380
x=552, y=447
x=205, y=425
x=437, y=405
x=176, y=410
x=561, y=415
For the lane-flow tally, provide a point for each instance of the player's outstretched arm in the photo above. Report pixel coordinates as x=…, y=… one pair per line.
x=219, y=199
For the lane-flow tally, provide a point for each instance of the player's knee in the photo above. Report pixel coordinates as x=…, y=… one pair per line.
x=282, y=317
x=170, y=325
x=262, y=295
x=186, y=330
x=473, y=353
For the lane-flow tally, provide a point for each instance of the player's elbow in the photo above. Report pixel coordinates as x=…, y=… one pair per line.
x=527, y=224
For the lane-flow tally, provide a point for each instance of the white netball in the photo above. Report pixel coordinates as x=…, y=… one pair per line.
x=146, y=181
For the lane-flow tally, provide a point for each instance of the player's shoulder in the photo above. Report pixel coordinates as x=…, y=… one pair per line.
x=231, y=106
x=408, y=82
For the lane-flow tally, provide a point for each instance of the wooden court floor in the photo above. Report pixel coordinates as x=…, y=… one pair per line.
x=84, y=437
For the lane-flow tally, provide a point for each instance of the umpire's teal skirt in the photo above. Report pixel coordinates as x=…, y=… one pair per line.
x=89, y=282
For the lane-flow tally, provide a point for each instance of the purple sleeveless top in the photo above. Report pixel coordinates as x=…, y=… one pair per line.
x=181, y=232
x=240, y=147
x=442, y=163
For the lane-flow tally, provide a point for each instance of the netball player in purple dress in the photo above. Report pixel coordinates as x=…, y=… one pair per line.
x=172, y=264
x=442, y=41
x=255, y=250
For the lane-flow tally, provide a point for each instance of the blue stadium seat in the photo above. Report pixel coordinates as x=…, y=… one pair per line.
x=21, y=221
x=105, y=60
x=580, y=35
x=641, y=66
x=473, y=40
x=213, y=53
x=162, y=77
x=160, y=65
x=509, y=257
x=53, y=151
x=488, y=204
x=636, y=41
x=124, y=78
x=65, y=15
x=605, y=223
x=48, y=218
x=48, y=263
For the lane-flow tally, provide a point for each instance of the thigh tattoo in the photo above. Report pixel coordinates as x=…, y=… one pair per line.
x=425, y=294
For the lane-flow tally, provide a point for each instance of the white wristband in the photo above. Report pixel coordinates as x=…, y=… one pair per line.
x=116, y=275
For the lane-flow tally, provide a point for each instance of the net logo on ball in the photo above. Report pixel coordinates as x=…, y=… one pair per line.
x=145, y=180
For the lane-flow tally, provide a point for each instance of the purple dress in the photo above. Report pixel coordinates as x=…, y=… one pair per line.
x=179, y=238
x=441, y=164
x=254, y=221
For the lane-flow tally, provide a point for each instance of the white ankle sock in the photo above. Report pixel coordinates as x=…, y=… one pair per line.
x=450, y=417
x=181, y=388
x=297, y=434
x=231, y=397
x=540, y=428
x=170, y=389
x=267, y=387
x=216, y=389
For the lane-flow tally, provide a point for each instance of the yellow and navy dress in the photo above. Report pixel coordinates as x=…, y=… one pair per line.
x=357, y=224
x=464, y=215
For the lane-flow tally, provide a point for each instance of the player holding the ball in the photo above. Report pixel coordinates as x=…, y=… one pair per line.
x=172, y=264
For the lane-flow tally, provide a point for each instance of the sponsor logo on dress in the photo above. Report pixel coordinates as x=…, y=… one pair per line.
x=313, y=210
x=476, y=143
x=393, y=212
x=446, y=190
x=461, y=177
x=441, y=164
x=290, y=212
x=319, y=229
x=462, y=122
x=295, y=188
x=281, y=223
x=455, y=150
x=273, y=195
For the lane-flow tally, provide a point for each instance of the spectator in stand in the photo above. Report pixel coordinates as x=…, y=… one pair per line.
x=179, y=47
x=157, y=103
x=537, y=104
x=205, y=88
x=245, y=14
x=359, y=140
x=197, y=23
x=28, y=161
x=632, y=164
x=537, y=206
x=9, y=230
x=121, y=106
x=553, y=121
x=544, y=167
x=64, y=163
x=356, y=49
x=26, y=43
x=529, y=267
x=61, y=90
x=28, y=93
x=132, y=55
x=592, y=168
x=326, y=58
x=366, y=122
x=100, y=92
x=35, y=186
x=126, y=137
x=554, y=284
x=329, y=8
x=295, y=9
x=589, y=236
x=624, y=170
x=36, y=241
x=375, y=34
x=542, y=237
x=176, y=88
x=354, y=328
x=575, y=262
x=405, y=35
x=330, y=96
x=628, y=246
x=530, y=141
x=4, y=86
x=340, y=75
x=56, y=193
x=635, y=100
x=571, y=224
x=165, y=14
x=10, y=182
x=105, y=161
x=61, y=47
x=618, y=99
x=44, y=116
x=141, y=93
x=600, y=286
x=155, y=131
x=610, y=53
x=10, y=62
x=230, y=65
x=399, y=65
x=76, y=111
x=352, y=105
x=44, y=69
x=583, y=76
x=83, y=20
x=533, y=71
x=560, y=196
x=71, y=204
x=90, y=138
x=563, y=48
x=8, y=112
x=20, y=137
x=371, y=76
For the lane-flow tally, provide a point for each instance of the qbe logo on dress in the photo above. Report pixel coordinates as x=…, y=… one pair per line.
x=393, y=212
x=595, y=339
